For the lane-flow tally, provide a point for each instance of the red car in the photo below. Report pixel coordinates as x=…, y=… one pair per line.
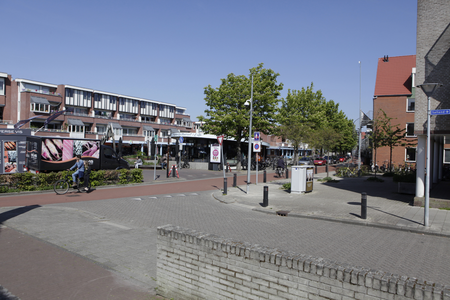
x=320, y=161
x=341, y=159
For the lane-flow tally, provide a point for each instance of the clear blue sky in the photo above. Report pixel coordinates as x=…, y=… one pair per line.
x=170, y=50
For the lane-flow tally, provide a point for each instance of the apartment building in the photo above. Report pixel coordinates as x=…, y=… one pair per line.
x=395, y=95
x=88, y=112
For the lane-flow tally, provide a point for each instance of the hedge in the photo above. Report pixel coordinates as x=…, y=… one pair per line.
x=19, y=182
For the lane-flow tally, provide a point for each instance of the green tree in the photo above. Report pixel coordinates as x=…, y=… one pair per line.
x=227, y=113
x=300, y=113
x=377, y=137
x=393, y=136
x=325, y=138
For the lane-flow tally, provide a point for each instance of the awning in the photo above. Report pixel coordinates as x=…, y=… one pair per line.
x=39, y=100
x=75, y=122
x=148, y=128
x=187, y=119
x=116, y=125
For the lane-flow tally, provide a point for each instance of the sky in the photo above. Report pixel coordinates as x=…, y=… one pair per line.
x=170, y=50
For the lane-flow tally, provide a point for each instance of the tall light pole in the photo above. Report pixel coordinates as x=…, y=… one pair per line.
x=359, y=138
x=428, y=89
x=249, y=157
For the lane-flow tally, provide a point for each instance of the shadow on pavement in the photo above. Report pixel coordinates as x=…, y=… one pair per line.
x=16, y=212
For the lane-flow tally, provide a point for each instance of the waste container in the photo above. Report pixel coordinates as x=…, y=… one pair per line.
x=302, y=179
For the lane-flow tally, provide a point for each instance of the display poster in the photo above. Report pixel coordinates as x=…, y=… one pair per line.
x=10, y=156
x=56, y=150
x=309, y=179
x=215, y=154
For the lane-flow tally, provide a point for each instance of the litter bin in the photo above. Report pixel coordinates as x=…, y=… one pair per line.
x=302, y=179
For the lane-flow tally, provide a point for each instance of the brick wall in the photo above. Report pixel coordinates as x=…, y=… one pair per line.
x=432, y=61
x=195, y=265
x=394, y=107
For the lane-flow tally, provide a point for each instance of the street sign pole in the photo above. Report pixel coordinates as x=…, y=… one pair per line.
x=156, y=151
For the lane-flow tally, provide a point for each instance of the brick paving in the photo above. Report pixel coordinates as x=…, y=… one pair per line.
x=118, y=233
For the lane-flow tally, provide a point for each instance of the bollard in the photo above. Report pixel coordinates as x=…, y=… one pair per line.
x=287, y=173
x=225, y=186
x=173, y=171
x=234, y=179
x=364, y=206
x=266, y=196
x=264, y=178
x=315, y=169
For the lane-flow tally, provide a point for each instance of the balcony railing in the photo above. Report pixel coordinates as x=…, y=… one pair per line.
x=6, y=122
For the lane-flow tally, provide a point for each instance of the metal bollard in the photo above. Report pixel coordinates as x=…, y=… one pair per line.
x=315, y=169
x=264, y=178
x=173, y=171
x=266, y=196
x=287, y=173
x=364, y=206
x=234, y=179
x=225, y=186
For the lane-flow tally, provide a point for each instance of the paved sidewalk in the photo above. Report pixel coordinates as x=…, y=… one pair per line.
x=341, y=202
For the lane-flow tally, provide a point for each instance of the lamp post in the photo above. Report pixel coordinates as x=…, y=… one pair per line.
x=249, y=157
x=359, y=137
x=428, y=89
x=169, y=133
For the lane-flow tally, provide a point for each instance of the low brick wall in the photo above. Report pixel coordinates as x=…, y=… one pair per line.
x=195, y=265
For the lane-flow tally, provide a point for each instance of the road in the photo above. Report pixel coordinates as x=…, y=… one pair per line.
x=119, y=231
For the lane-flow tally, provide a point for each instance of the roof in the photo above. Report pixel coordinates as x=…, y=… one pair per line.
x=394, y=75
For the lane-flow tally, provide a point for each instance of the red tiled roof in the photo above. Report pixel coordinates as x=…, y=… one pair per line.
x=394, y=75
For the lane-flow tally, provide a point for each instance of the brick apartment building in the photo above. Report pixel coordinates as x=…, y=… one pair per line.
x=395, y=95
x=432, y=62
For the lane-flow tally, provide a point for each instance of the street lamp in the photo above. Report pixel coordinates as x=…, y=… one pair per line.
x=169, y=133
x=428, y=89
x=249, y=157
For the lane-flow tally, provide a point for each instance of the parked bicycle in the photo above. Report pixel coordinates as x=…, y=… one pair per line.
x=280, y=172
x=62, y=186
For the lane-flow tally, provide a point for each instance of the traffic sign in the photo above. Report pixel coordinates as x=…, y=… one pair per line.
x=440, y=112
x=257, y=147
x=256, y=136
x=156, y=137
x=181, y=139
x=220, y=139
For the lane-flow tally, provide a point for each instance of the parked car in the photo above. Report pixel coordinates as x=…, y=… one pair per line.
x=342, y=159
x=305, y=161
x=331, y=159
x=320, y=161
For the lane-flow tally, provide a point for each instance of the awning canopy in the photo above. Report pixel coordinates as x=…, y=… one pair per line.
x=187, y=119
x=148, y=128
x=116, y=125
x=75, y=122
x=39, y=100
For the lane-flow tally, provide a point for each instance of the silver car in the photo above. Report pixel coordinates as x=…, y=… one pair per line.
x=305, y=161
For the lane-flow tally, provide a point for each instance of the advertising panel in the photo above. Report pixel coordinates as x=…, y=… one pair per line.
x=215, y=154
x=309, y=179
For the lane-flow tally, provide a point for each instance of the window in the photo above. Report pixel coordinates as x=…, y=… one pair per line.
x=148, y=119
x=39, y=107
x=2, y=86
x=411, y=104
x=447, y=156
x=100, y=129
x=410, y=154
x=410, y=129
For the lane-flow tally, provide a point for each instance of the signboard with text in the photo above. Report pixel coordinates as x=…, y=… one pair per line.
x=215, y=154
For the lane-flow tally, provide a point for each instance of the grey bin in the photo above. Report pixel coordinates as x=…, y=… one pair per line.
x=302, y=179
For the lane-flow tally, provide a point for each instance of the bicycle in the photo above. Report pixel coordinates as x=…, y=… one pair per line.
x=280, y=172
x=62, y=185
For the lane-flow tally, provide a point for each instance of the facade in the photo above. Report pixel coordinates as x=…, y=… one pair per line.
x=88, y=112
x=432, y=61
x=395, y=95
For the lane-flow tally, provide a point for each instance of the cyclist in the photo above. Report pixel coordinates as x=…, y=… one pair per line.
x=79, y=164
x=280, y=165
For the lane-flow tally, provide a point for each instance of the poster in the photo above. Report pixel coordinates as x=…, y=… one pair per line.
x=215, y=154
x=10, y=156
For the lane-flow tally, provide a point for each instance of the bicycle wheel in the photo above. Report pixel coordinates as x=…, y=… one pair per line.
x=61, y=187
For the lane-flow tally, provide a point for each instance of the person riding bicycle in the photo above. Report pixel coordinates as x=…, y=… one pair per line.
x=280, y=164
x=79, y=164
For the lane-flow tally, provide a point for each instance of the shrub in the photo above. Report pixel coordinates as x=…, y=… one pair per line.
x=409, y=177
x=373, y=178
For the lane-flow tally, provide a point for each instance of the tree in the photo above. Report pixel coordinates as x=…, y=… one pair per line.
x=227, y=113
x=309, y=112
x=325, y=138
x=300, y=111
x=393, y=136
x=377, y=137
